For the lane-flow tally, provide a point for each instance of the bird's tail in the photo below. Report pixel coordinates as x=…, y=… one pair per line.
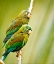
x=4, y=56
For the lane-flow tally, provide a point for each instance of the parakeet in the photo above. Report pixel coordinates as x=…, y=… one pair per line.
x=17, y=40
x=23, y=18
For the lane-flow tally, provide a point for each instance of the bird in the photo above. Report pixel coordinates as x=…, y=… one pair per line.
x=21, y=19
x=17, y=41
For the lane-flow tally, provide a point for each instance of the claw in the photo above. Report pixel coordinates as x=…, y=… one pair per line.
x=18, y=53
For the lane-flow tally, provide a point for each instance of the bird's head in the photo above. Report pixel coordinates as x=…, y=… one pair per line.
x=27, y=29
x=25, y=14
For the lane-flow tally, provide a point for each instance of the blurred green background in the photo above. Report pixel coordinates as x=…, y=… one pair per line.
x=40, y=46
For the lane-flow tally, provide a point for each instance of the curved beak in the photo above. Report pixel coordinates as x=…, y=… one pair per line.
x=29, y=32
x=29, y=14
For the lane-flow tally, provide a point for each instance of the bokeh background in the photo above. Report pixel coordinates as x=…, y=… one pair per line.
x=40, y=46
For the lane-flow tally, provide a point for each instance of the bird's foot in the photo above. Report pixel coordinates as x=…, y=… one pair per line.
x=19, y=56
x=18, y=53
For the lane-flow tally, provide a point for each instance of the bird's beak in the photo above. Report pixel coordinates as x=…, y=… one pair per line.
x=29, y=14
x=29, y=32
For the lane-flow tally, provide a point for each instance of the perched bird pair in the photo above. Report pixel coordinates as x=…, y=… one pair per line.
x=23, y=18
x=17, y=34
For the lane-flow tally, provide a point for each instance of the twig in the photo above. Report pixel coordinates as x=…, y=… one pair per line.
x=19, y=56
x=31, y=6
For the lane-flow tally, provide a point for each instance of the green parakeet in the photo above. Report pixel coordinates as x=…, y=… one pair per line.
x=17, y=40
x=23, y=18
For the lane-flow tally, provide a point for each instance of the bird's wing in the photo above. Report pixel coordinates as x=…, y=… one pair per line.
x=14, y=41
x=14, y=26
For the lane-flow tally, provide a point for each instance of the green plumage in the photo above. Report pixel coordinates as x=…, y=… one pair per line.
x=16, y=24
x=19, y=21
x=17, y=40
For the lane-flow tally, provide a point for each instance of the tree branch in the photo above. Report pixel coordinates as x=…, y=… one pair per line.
x=31, y=6
x=19, y=56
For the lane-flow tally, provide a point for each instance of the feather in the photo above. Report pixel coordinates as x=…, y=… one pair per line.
x=16, y=24
x=17, y=40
